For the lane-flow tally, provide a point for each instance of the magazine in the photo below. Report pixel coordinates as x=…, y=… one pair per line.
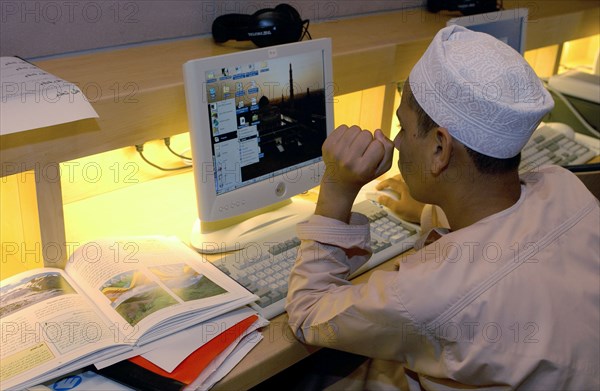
x=113, y=297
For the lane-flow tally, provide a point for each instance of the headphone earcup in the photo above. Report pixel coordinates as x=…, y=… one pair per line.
x=295, y=21
x=434, y=6
x=274, y=27
x=291, y=11
x=231, y=26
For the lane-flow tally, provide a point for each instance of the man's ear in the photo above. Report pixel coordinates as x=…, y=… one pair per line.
x=441, y=144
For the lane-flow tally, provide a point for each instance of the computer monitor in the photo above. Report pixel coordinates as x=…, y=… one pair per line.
x=508, y=25
x=257, y=119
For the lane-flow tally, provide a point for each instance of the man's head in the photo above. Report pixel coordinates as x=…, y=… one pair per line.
x=478, y=92
x=481, y=90
x=483, y=163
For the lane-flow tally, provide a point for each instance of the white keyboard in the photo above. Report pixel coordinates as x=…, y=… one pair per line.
x=264, y=268
x=555, y=143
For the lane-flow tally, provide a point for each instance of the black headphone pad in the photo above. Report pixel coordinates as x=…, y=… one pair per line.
x=231, y=26
x=289, y=10
x=271, y=27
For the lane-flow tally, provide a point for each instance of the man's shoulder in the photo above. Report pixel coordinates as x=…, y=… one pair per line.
x=555, y=184
x=550, y=175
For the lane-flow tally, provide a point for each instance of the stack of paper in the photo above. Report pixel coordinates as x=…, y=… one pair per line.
x=193, y=359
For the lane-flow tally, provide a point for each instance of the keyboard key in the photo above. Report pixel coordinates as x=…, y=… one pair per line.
x=553, y=147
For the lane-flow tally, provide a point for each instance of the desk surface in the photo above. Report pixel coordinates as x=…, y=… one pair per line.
x=168, y=207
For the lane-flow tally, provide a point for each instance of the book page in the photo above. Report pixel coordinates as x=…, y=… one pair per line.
x=33, y=98
x=45, y=323
x=140, y=282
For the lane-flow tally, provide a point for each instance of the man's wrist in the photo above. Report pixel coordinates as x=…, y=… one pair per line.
x=336, y=201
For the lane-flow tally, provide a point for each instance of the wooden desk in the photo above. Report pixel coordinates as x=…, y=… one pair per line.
x=171, y=210
x=138, y=91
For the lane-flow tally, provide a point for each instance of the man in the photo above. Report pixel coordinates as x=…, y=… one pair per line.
x=506, y=295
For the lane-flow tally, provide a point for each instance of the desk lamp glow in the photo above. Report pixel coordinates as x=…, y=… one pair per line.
x=258, y=119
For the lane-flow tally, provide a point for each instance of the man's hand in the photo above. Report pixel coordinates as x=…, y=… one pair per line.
x=353, y=157
x=405, y=207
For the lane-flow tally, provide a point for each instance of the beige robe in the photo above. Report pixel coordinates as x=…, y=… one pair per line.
x=512, y=301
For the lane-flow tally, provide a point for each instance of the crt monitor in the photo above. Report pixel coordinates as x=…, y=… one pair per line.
x=257, y=119
x=508, y=25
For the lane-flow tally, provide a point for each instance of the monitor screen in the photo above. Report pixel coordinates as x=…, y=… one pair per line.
x=506, y=25
x=258, y=119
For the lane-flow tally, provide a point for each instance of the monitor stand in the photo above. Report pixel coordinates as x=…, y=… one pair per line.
x=259, y=226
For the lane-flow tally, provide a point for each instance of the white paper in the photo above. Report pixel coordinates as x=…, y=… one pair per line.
x=225, y=362
x=32, y=98
x=174, y=349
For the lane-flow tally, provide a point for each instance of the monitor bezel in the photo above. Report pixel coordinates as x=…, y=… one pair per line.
x=520, y=14
x=213, y=207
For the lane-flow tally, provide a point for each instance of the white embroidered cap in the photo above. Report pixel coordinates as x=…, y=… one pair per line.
x=481, y=90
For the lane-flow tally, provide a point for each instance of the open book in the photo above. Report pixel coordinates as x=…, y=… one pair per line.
x=114, y=297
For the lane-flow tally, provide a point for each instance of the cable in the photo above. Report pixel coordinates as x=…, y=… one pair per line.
x=305, y=24
x=140, y=149
x=167, y=141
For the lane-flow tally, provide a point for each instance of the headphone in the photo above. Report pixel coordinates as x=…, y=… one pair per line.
x=265, y=27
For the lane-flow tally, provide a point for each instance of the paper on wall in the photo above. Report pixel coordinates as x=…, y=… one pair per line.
x=33, y=98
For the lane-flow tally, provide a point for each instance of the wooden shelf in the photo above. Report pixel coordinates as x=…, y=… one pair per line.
x=138, y=91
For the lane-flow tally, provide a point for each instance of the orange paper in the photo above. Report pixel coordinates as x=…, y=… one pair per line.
x=190, y=368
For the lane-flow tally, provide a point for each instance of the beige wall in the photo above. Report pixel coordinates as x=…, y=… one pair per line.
x=34, y=28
